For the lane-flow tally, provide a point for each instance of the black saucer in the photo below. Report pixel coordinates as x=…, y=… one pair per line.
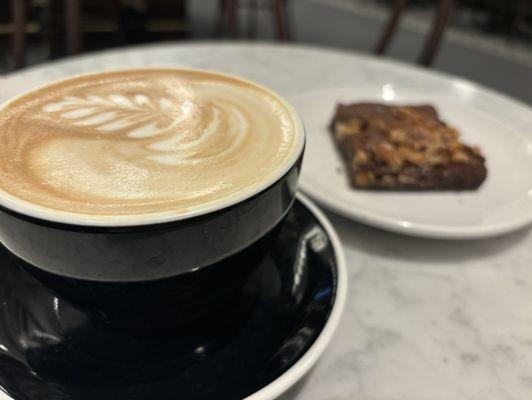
x=51, y=350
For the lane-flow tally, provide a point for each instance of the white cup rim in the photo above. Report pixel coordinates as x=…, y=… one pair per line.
x=26, y=208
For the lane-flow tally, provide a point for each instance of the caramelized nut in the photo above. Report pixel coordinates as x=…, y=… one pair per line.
x=361, y=157
x=398, y=135
x=455, y=145
x=460, y=156
x=437, y=159
x=415, y=157
x=453, y=133
x=364, y=179
x=346, y=128
x=387, y=153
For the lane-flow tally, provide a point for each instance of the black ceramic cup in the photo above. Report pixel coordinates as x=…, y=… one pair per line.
x=151, y=251
x=111, y=269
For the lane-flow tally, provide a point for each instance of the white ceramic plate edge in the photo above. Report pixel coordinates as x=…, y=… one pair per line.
x=413, y=228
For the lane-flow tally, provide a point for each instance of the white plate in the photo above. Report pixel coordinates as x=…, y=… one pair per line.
x=502, y=204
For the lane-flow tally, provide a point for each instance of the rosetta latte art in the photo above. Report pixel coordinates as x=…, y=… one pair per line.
x=143, y=141
x=182, y=130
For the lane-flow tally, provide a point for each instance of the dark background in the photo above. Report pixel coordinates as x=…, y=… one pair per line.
x=488, y=41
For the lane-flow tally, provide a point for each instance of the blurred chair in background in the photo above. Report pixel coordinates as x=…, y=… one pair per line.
x=128, y=21
x=62, y=27
x=432, y=42
x=20, y=21
x=73, y=26
x=230, y=11
x=523, y=11
x=94, y=17
x=19, y=16
x=509, y=18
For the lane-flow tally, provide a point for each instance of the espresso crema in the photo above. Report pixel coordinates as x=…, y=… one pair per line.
x=144, y=141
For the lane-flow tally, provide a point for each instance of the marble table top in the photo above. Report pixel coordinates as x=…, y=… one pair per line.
x=425, y=319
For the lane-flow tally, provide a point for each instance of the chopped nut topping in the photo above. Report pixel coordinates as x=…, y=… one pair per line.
x=364, y=179
x=398, y=135
x=460, y=156
x=347, y=128
x=361, y=157
x=386, y=152
x=415, y=157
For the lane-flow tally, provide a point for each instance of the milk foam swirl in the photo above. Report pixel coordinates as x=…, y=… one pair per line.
x=181, y=128
x=143, y=141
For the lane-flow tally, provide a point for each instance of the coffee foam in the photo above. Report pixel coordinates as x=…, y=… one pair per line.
x=141, y=142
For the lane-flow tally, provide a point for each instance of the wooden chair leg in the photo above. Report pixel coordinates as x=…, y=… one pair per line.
x=251, y=28
x=54, y=29
x=434, y=40
x=115, y=11
x=232, y=17
x=281, y=19
x=390, y=28
x=521, y=12
x=220, y=24
x=73, y=26
x=18, y=10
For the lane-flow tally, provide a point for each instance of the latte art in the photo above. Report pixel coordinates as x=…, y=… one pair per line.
x=143, y=141
x=183, y=131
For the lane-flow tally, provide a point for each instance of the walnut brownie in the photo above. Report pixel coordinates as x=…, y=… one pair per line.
x=404, y=147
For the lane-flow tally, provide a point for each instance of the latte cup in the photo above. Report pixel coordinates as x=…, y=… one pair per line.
x=150, y=251
x=203, y=250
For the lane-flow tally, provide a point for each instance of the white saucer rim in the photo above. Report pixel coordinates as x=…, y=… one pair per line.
x=297, y=371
